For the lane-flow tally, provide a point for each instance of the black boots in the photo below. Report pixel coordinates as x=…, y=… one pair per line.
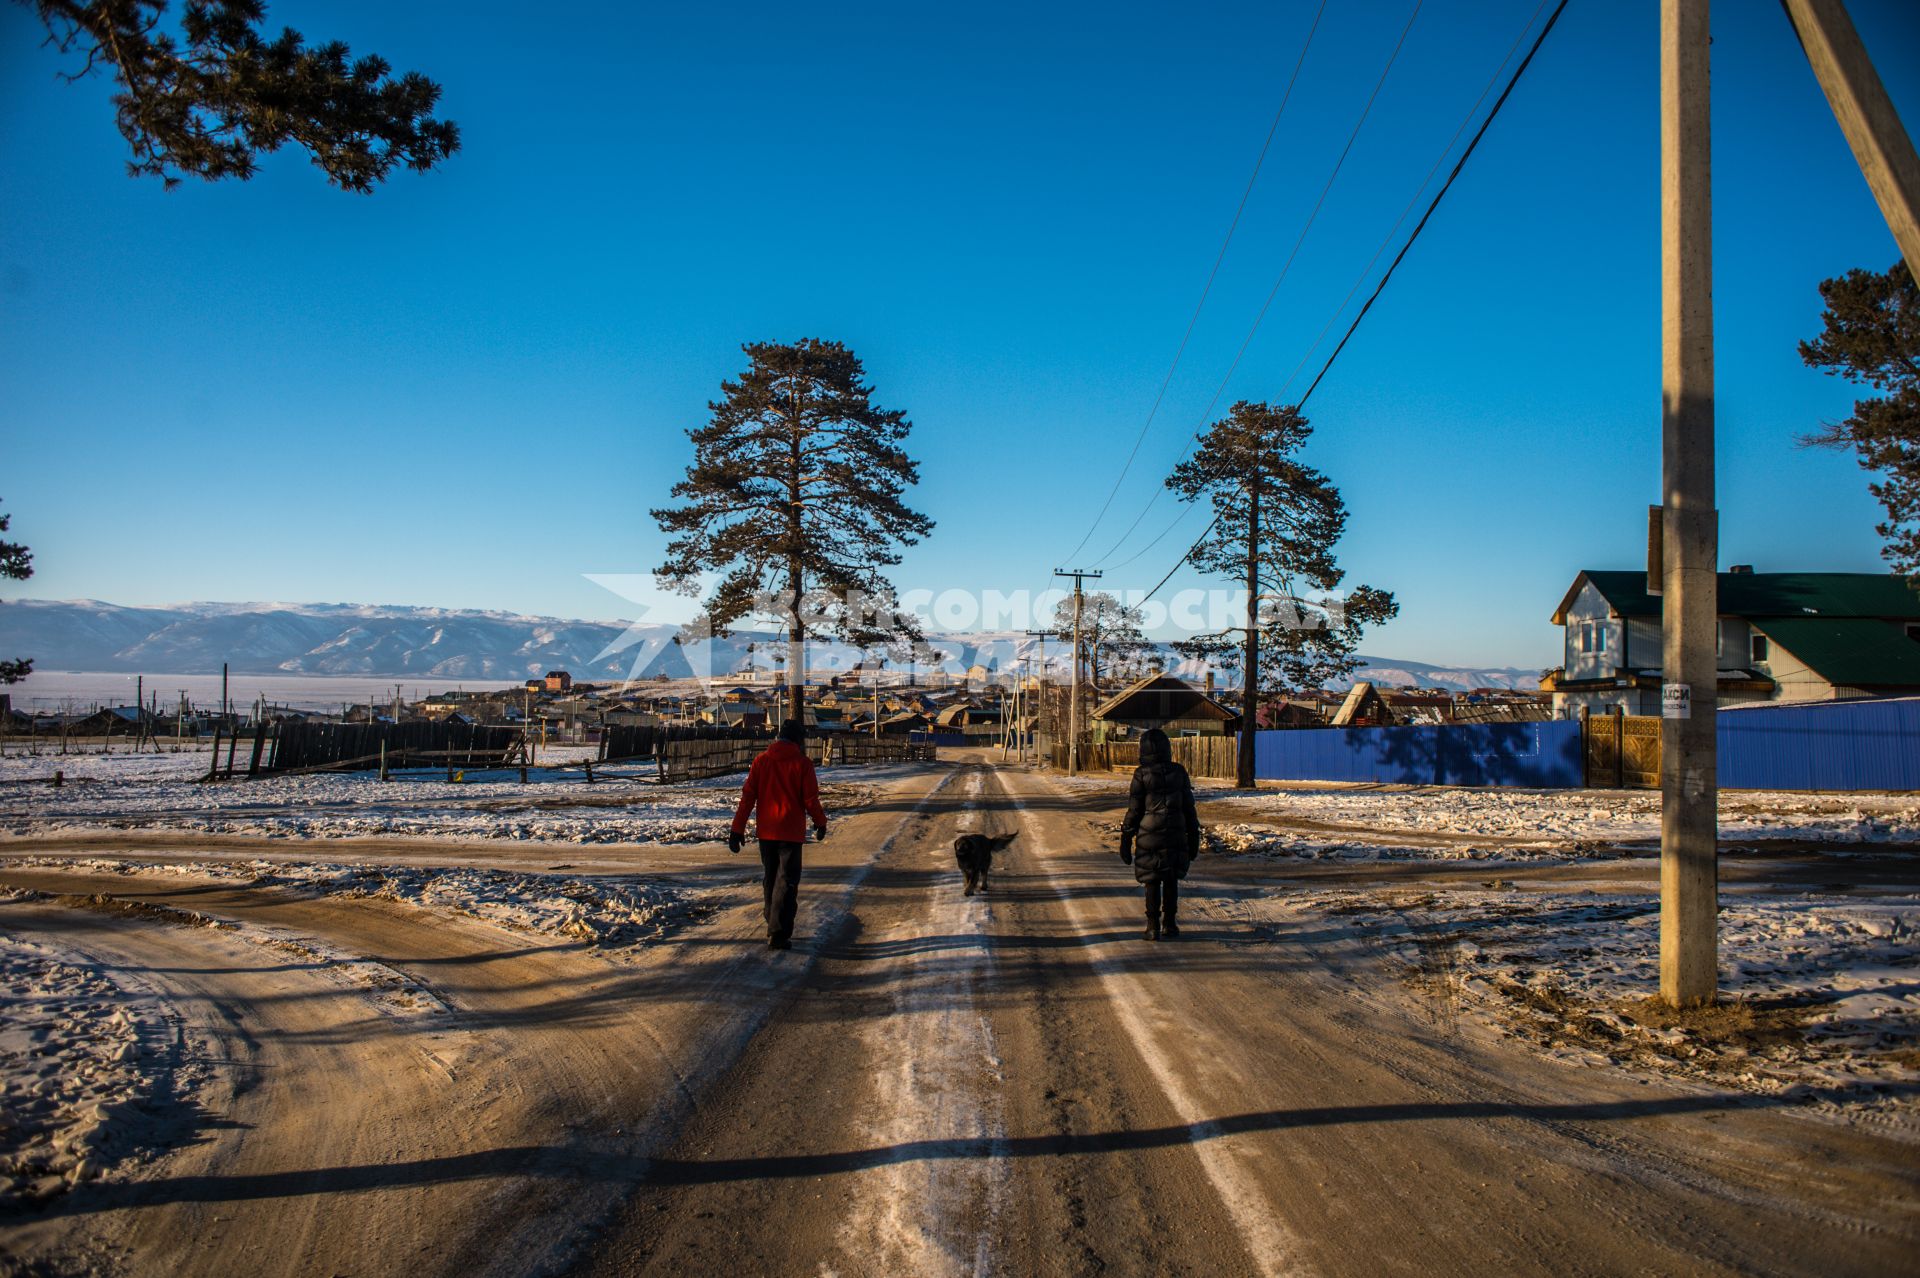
x=1163, y=897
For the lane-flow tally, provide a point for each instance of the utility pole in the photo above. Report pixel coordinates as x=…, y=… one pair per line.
x=1250, y=654
x=1043, y=720
x=1689, y=782
x=1073, y=710
x=1880, y=145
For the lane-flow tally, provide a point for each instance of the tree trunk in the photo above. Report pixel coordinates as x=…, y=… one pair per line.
x=1250, y=658
x=796, y=629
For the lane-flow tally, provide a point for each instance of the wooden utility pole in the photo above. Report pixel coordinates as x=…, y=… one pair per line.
x=1043, y=720
x=1880, y=145
x=1689, y=820
x=1073, y=709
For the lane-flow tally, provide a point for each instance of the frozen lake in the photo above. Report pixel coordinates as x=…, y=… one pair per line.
x=50, y=690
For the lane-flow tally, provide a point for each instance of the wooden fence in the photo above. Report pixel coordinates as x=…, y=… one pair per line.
x=694, y=760
x=289, y=747
x=857, y=750
x=1211, y=757
x=643, y=741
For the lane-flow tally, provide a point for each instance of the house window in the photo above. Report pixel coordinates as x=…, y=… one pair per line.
x=1759, y=648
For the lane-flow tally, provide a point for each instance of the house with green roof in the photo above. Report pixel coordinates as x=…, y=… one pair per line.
x=1783, y=636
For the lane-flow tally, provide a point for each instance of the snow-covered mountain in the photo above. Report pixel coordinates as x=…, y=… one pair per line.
x=469, y=644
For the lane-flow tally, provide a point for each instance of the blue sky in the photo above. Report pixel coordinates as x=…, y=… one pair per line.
x=468, y=389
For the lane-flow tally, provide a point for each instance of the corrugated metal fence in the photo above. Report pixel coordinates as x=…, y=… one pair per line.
x=1829, y=745
x=1545, y=755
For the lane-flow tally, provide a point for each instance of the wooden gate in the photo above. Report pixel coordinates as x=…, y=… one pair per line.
x=1623, y=751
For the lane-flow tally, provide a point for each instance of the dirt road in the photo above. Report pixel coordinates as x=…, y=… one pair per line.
x=928, y=1083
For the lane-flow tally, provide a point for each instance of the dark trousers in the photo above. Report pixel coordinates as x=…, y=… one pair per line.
x=781, y=861
x=1163, y=898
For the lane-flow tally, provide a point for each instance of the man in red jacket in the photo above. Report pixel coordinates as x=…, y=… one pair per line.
x=782, y=787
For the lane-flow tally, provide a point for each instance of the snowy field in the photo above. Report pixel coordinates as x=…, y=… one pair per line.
x=624, y=805
x=1820, y=995
x=1560, y=818
x=1343, y=822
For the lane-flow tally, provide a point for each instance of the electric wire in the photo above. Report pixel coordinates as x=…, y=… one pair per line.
x=1398, y=258
x=1207, y=290
x=1414, y=199
x=1385, y=240
x=1326, y=189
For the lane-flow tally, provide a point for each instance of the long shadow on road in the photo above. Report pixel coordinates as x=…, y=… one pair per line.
x=592, y=1161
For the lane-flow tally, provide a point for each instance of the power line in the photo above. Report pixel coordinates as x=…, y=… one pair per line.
x=1418, y=227
x=1220, y=257
x=1414, y=199
x=1326, y=189
x=1367, y=270
x=1421, y=225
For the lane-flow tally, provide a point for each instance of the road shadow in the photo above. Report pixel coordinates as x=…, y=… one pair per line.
x=592, y=1160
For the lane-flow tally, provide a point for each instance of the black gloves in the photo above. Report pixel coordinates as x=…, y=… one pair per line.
x=735, y=841
x=819, y=833
x=1126, y=849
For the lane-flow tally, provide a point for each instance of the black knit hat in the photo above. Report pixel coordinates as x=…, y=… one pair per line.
x=794, y=730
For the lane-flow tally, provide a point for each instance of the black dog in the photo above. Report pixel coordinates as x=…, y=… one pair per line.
x=975, y=852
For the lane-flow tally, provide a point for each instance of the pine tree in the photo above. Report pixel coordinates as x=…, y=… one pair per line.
x=1276, y=521
x=1872, y=338
x=16, y=564
x=797, y=482
x=210, y=102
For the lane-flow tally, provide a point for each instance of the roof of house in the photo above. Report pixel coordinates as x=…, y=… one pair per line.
x=1858, y=652
x=1161, y=697
x=1764, y=594
x=1357, y=702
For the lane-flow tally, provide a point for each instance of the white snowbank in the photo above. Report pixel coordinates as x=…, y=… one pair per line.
x=1563, y=816
x=1817, y=992
x=606, y=911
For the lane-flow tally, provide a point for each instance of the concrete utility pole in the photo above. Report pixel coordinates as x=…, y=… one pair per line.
x=1073, y=710
x=1880, y=145
x=1689, y=783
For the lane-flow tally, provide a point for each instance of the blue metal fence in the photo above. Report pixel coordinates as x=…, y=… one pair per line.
x=1829, y=745
x=941, y=738
x=1545, y=755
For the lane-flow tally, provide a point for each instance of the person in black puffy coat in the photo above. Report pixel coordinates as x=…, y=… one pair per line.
x=1161, y=834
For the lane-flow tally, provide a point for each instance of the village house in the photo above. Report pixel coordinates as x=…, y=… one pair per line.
x=1363, y=707
x=1165, y=702
x=965, y=714
x=1783, y=636
x=558, y=681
